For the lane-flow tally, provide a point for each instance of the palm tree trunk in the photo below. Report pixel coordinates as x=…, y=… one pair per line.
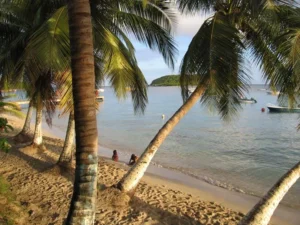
x=262, y=212
x=65, y=158
x=82, y=208
x=26, y=127
x=24, y=135
x=134, y=175
x=38, y=136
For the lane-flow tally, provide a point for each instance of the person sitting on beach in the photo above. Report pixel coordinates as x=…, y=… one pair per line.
x=133, y=159
x=115, y=156
x=96, y=93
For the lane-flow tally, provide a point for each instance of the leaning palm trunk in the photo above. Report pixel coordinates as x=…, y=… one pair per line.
x=38, y=136
x=134, y=175
x=65, y=158
x=82, y=208
x=262, y=212
x=26, y=128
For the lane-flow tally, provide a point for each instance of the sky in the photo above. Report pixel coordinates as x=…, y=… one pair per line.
x=153, y=65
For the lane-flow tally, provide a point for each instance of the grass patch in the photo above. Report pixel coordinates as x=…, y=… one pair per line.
x=4, y=186
x=5, y=190
x=7, y=216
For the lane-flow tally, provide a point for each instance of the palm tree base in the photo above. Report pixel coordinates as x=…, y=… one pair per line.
x=120, y=188
x=40, y=147
x=113, y=197
x=59, y=170
x=23, y=137
x=66, y=165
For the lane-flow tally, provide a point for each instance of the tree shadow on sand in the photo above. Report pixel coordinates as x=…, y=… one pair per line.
x=160, y=215
x=42, y=160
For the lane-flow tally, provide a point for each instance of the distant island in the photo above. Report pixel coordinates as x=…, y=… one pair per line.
x=168, y=80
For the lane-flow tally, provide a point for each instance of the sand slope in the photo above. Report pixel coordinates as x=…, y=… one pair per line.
x=45, y=193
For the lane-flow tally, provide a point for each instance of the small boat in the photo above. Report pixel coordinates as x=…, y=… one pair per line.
x=247, y=100
x=100, y=98
x=192, y=89
x=273, y=92
x=279, y=109
x=101, y=90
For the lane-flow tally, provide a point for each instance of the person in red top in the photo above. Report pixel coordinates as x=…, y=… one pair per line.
x=115, y=156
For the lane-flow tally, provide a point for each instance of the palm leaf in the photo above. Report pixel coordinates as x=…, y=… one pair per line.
x=215, y=55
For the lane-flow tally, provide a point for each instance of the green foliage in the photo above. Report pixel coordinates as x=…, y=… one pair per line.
x=4, y=145
x=11, y=108
x=4, y=125
x=171, y=80
x=44, y=42
x=216, y=53
x=7, y=216
x=4, y=186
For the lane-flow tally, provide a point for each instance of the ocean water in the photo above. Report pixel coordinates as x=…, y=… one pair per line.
x=248, y=154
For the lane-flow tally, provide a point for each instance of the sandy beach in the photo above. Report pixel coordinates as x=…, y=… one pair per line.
x=43, y=192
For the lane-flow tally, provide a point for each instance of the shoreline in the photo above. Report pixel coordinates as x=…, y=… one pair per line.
x=174, y=180
x=238, y=201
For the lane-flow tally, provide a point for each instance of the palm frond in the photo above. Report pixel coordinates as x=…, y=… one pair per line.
x=123, y=72
x=149, y=25
x=194, y=6
x=215, y=55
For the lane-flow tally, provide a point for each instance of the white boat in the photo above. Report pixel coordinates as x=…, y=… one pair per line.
x=101, y=90
x=191, y=89
x=279, y=109
x=273, y=92
x=246, y=100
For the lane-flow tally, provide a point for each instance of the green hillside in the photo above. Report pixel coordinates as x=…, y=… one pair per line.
x=168, y=80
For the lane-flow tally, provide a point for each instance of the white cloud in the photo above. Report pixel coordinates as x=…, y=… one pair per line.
x=189, y=25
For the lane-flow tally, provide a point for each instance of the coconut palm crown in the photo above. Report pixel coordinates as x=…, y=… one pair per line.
x=216, y=54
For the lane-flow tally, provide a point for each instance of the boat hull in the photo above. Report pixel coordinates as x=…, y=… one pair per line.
x=248, y=101
x=278, y=109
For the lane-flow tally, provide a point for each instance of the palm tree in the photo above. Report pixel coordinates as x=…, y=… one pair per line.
x=113, y=59
x=215, y=58
x=262, y=212
x=43, y=97
x=66, y=155
x=82, y=209
x=114, y=51
x=24, y=134
x=28, y=15
x=287, y=49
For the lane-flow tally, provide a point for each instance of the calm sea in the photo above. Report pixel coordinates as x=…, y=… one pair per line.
x=248, y=154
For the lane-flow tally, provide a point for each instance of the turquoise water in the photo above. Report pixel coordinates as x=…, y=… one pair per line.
x=248, y=154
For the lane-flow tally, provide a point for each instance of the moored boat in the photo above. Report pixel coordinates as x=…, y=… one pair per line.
x=273, y=92
x=279, y=109
x=246, y=100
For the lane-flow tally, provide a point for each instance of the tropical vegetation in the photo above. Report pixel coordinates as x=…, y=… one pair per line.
x=169, y=80
x=216, y=57
x=52, y=46
x=114, y=59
